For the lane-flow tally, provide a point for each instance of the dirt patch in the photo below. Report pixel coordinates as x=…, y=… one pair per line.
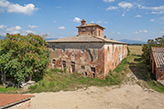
x=125, y=97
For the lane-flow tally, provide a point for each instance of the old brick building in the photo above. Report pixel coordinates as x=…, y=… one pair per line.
x=157, y=62
x=88, y=53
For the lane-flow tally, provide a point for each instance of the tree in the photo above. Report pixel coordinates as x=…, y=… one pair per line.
x=158, y=42
x=26, y=56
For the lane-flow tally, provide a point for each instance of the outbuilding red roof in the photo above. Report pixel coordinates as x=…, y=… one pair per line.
x=10, y=99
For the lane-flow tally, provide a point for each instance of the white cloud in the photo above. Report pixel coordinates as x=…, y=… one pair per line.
x=4, y=3
x=108, y=0
x=156, y=10
x=138, y=16
x=27, y=9
x=16, y=28
x=13, y=30
x=77, y=19
x=2, y=26
x=33, y=26
x=141, y=31
x=118, y=33
x=29, y=31
x=161, y=31
x=54, y=21
x=92, y=21
x=125, y=5
x=2, y=34
x=62, y=27
x=153, y=32
x=152, y=20
x=112, y=8
x=106, y=22
x=153, y=8
x=99, y=21
x=145, y=31
x=160, y=12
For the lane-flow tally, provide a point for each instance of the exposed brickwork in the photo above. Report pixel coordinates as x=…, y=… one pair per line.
x=88, y=53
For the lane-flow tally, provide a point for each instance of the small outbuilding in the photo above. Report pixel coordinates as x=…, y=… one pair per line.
x=15, y=101
x=157, y=62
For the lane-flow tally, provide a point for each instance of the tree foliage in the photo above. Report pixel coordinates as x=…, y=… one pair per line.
x=23, y=56
x=158, y=42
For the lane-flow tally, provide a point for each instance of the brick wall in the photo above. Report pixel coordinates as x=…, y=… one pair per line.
x=90, y=62
x=98, y=58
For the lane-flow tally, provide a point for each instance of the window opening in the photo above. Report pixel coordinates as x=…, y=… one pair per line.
x=82, y=49
x=63, y=48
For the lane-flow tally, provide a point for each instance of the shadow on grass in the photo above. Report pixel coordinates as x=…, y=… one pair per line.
x=140, y=70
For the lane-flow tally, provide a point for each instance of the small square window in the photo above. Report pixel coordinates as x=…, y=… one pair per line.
x=82, y=49
x=82, y=67
x=93, y=75
x=108, y=48
x=53, y=47
x=93, y=69
x=63, y=48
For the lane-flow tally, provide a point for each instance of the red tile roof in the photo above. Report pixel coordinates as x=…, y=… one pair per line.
x=8, y=99
x=158, y=54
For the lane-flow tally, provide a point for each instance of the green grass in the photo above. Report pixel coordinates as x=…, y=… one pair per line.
x=7, y=90
x=55, y=80
x=144, y=73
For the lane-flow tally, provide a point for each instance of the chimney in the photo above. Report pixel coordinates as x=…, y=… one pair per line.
x=104, y=37
x=83, y=22
x=111, y=39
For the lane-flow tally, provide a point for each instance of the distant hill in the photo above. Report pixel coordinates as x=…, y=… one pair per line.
x=51, y=39
x=132, y=41
x=2, y=37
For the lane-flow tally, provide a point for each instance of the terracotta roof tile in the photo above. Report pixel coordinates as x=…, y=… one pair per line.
x=7, y=99
x=158, y=54
x=84, y=38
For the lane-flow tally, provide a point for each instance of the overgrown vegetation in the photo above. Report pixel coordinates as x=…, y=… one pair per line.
x=55, y=80
x=158, y=42
x=22, y=57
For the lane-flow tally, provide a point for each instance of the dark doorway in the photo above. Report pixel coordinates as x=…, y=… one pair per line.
x=85, y=73
x=93, y=75
x=73, y=66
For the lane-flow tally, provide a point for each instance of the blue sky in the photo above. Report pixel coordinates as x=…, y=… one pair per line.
x=128, y=19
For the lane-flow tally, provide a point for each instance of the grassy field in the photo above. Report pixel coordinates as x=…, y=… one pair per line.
x=141, y=70
x=56, y=80
x=137, y=50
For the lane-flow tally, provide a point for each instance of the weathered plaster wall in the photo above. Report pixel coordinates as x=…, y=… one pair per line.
x=93, y=57
x=114, y=54
x=101, y=56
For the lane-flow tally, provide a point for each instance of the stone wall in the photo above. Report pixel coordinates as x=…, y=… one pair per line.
x=97, y=60
x=90, y=63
